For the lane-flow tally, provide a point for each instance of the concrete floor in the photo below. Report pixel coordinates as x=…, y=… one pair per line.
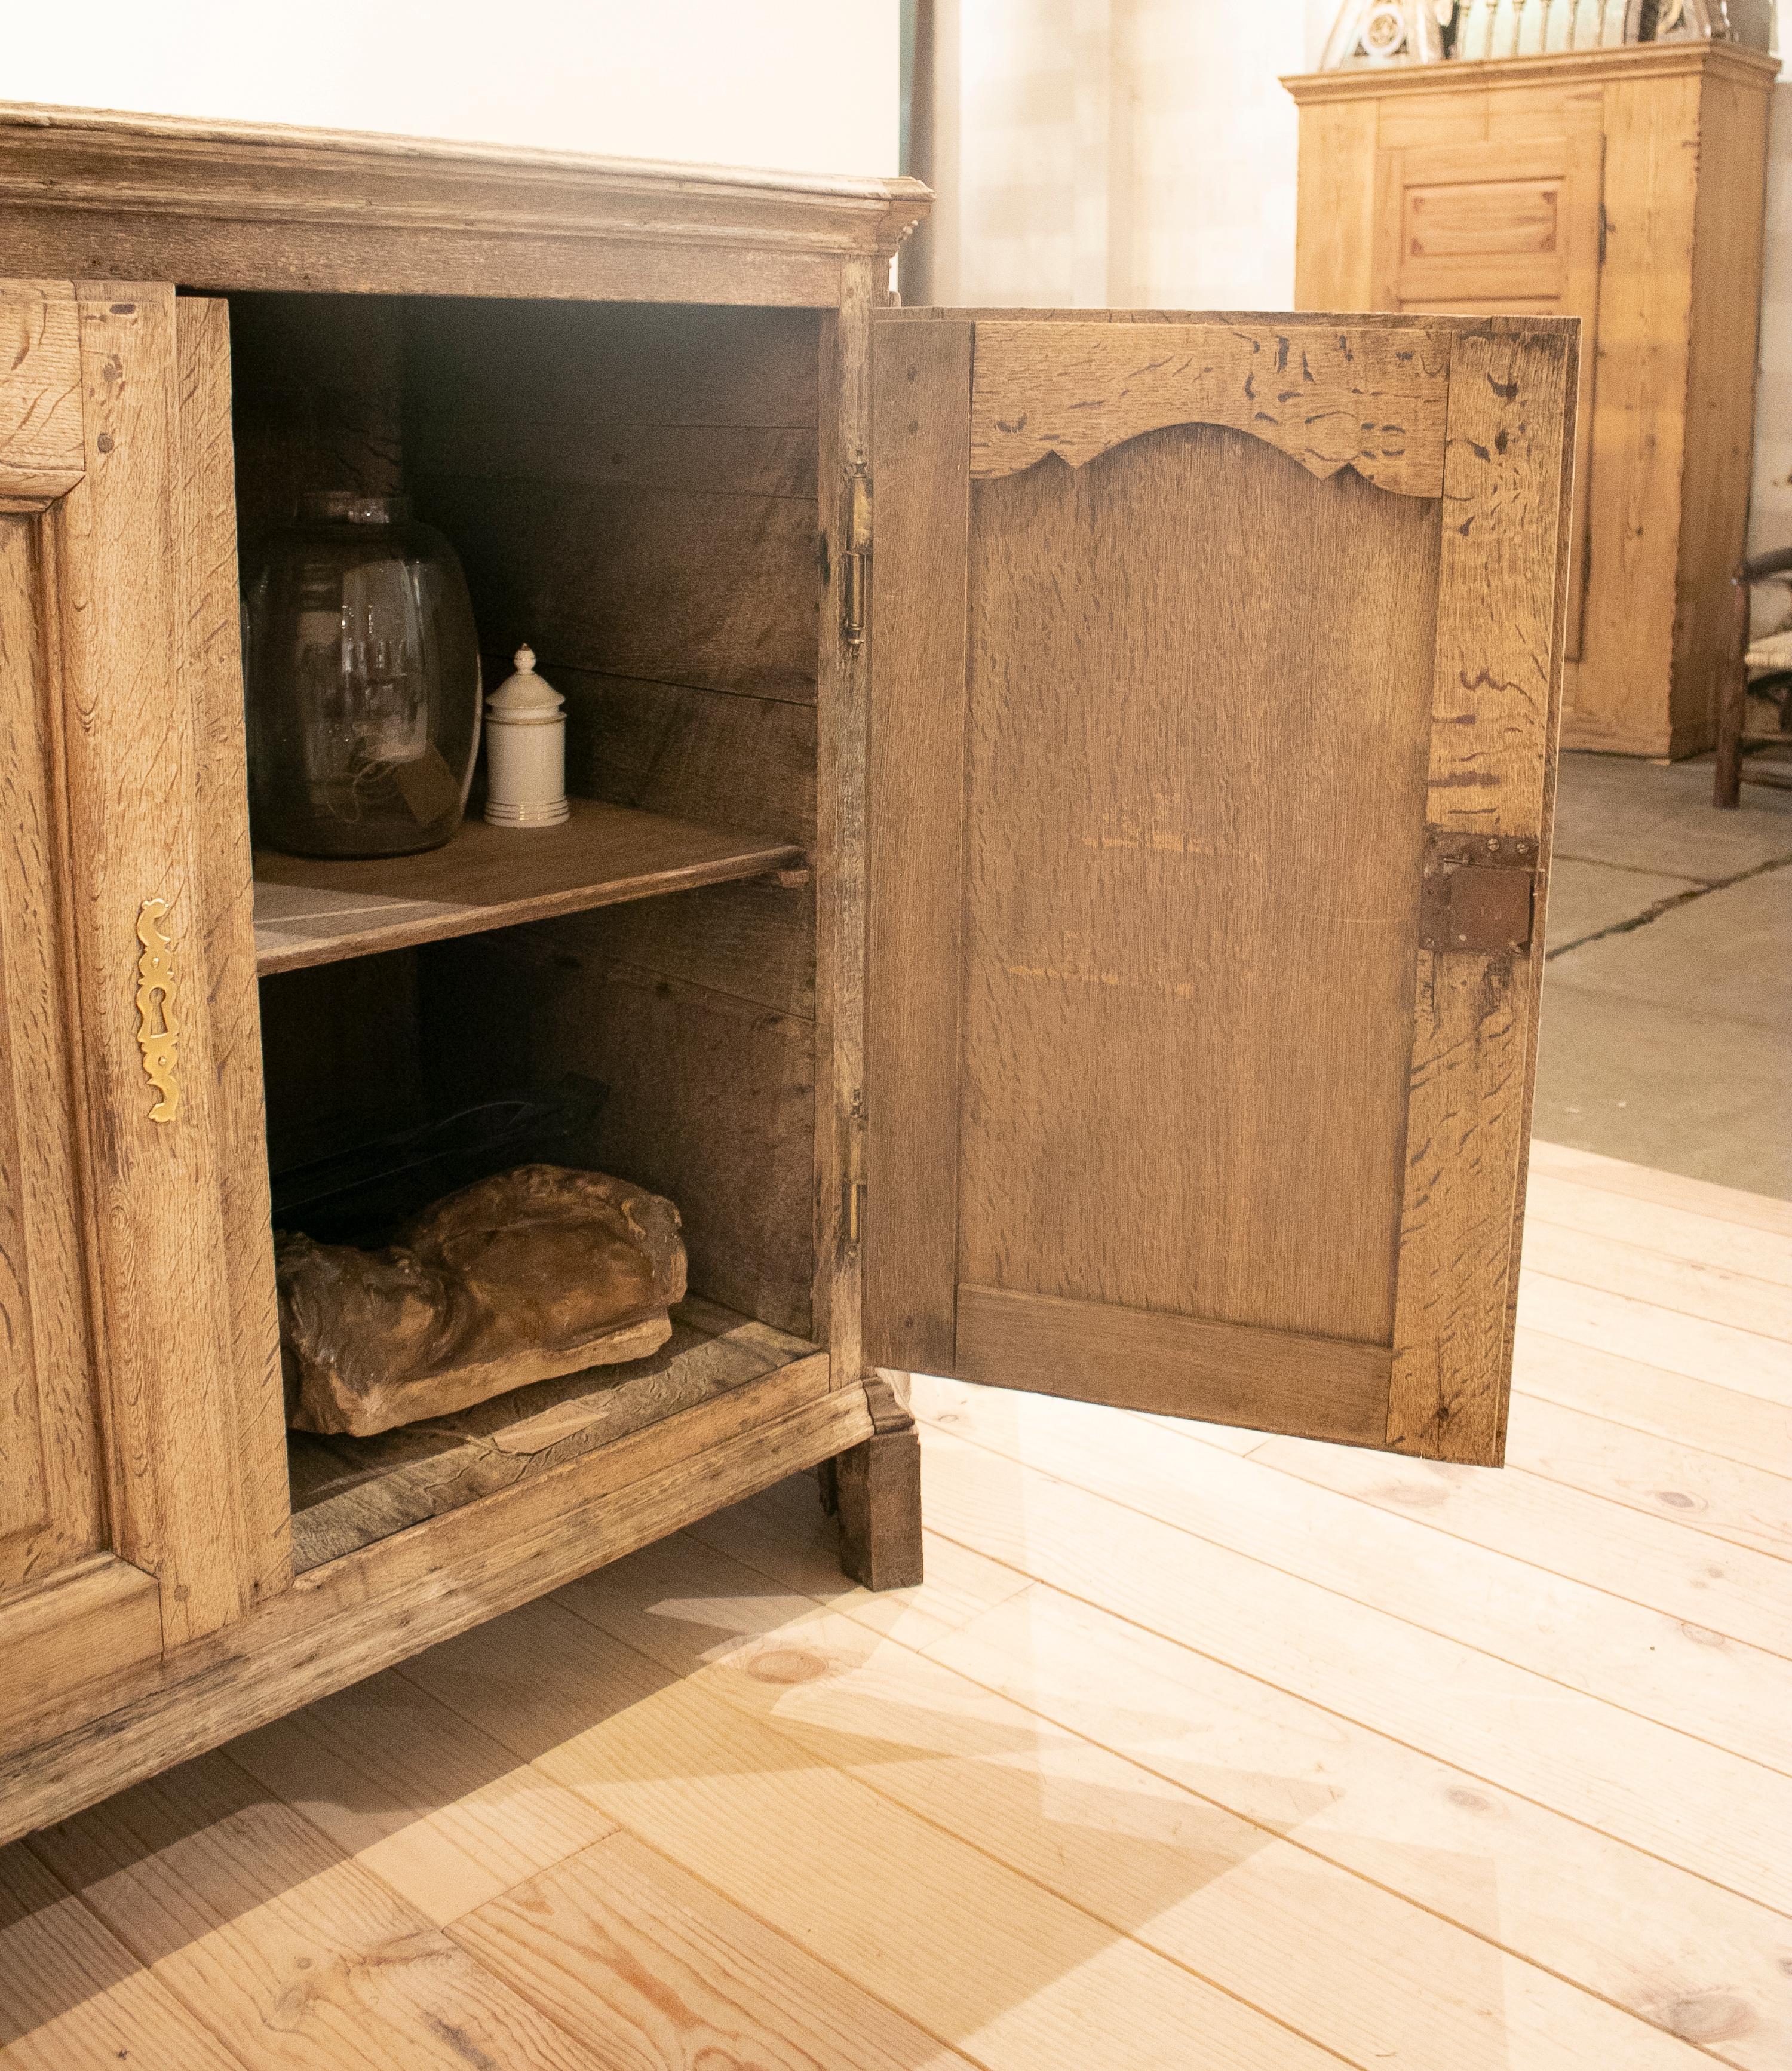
x=1667, y=998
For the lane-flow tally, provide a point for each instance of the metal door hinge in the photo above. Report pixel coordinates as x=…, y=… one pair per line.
x=854, y=560
x=852, y=1188
x=1479, y=892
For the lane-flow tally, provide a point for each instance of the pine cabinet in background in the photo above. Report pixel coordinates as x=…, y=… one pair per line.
x=1626, y=188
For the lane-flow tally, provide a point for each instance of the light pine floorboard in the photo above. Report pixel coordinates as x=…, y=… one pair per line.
x=1635, y=1395
x=1197, y=1748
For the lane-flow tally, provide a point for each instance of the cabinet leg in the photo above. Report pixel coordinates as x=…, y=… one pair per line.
x=876, y=1490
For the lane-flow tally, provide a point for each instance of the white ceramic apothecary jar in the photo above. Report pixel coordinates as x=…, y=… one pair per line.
x=526, y=750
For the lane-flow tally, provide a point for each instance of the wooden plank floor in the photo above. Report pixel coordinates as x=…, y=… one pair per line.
x=1196, y=1750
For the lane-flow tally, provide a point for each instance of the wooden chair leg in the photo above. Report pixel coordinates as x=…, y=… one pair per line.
x=876, y=1490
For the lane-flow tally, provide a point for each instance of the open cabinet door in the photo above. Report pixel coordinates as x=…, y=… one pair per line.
x=140, y=1429
x=1215, y=677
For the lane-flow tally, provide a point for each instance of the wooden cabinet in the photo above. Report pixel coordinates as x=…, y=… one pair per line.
x=1626, y=188
x=1054, y=891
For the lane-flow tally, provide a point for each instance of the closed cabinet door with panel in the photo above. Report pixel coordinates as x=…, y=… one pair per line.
x=140, y=1386
x=1514, y=229
x=1214, y=681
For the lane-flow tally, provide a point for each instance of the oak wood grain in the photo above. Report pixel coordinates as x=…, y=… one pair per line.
x=710, y=1098
x=1373, y=401
x=132, y=749
x=1335, y=229
x=1224, y=1373
x=876, y=1493
x=51, y=1488
x=372, y=1488
x=311, y=911
x=68, y=1633
x=1190, y=920
x=716, y=591
x=42, y=451
x=685, y=752
x=754, y=939
x=1544, y=78
x=211, y=622
x=1495, y=715
x=844, y=723
x=333, y=211
x=921, y=459
x=352, y=1617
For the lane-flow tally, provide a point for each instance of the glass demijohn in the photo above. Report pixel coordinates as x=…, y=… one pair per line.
x=362, y=666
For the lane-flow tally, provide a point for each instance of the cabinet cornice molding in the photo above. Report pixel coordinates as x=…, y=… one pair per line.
x=225, y=199
x=1633, y=61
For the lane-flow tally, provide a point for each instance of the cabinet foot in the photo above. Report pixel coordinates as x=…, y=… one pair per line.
x=875, y=1489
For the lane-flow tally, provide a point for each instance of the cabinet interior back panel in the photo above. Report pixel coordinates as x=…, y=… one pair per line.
x=633, y=491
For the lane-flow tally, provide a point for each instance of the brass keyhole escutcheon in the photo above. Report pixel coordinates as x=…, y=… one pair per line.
x=157, y=1030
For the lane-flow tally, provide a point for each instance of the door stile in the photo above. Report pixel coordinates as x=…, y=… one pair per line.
x=138, y=891
x=211, y=617
x=842, y=723
x=1495, y=716
x=920, y=442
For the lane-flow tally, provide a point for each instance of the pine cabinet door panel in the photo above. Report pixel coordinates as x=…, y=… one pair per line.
x=1512, y=227
x=1168, y=1102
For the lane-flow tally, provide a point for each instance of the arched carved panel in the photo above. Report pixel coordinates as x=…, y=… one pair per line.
x=41, y=454
x=1358, y=395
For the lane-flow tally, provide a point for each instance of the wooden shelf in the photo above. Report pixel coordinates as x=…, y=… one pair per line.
x=348, y=1492
x=308, y=912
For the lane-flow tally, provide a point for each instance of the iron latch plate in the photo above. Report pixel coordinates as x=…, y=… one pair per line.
x=1480, y=892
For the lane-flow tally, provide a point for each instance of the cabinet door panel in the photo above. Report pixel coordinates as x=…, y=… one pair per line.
x=52, y=1503
x=135, y=1443
x=1168, y=1103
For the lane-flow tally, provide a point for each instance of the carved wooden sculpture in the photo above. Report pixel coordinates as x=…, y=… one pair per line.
x=536, y=1272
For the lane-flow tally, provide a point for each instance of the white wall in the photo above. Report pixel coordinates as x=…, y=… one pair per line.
x=802, y=86
x=1119, y=151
